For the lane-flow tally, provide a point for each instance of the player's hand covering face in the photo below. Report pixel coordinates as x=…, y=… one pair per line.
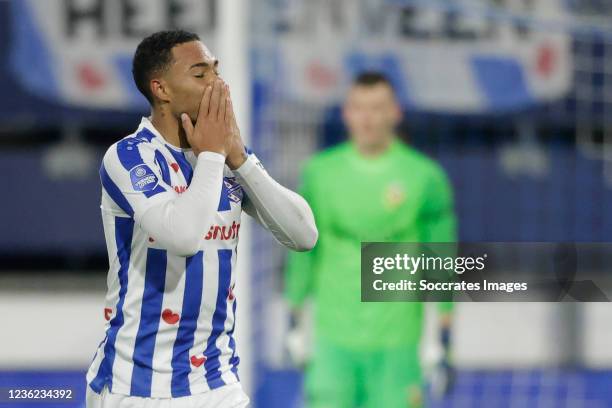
x=213, y=130
x=192, y=70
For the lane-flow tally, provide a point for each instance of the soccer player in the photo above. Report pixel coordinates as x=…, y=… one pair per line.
x=172, y=197
x=370, y=188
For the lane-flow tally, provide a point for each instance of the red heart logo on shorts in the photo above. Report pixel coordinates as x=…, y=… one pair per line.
x=107, y=313
x=198, y=361
x=170, y=317
x=175, y=167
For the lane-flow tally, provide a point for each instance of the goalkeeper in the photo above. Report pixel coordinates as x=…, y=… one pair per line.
x=371, y=188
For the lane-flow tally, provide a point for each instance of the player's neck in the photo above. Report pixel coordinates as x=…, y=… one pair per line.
x=170, y=128
x=372, y=151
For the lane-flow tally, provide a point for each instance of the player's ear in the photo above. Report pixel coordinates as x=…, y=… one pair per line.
x=159, y=89
x=397, y=112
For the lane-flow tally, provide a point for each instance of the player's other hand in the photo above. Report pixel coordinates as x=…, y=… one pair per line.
x=443, y=376
x=442, y=379
x=213, y=128
x=298, y=339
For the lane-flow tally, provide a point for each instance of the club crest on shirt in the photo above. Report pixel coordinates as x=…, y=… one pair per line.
x=143, y=178
x=234, y=190
x=394, y=195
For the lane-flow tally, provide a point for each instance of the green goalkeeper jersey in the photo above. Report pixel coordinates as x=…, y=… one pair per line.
x=398, y=196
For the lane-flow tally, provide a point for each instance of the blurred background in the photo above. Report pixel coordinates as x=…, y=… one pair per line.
x=512, y=97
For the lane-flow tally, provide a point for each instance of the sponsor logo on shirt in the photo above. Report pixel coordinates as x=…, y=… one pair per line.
x=143, y=178
x=223, y=232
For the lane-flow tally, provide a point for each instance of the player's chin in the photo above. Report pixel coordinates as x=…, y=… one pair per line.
x=370, y=140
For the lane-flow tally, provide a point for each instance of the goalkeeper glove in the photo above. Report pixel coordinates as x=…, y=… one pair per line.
x=443, y=376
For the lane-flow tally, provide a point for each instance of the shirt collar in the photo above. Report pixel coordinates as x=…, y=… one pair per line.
x=145, y=123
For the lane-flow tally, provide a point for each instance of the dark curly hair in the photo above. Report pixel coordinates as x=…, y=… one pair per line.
x=154, y=55
x=370, y=78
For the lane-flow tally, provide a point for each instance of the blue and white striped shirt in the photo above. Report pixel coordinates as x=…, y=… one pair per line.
x=169, y=319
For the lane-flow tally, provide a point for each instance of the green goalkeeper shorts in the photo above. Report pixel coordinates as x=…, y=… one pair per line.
x=337, y=377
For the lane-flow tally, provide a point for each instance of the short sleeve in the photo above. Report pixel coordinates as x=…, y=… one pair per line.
x=132, y=179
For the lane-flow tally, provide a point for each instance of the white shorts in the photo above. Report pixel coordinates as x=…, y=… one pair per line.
x=228, y=396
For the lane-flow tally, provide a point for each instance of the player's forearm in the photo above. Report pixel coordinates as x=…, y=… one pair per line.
x=178, y=224
x=299, y=277
x=285, y=213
